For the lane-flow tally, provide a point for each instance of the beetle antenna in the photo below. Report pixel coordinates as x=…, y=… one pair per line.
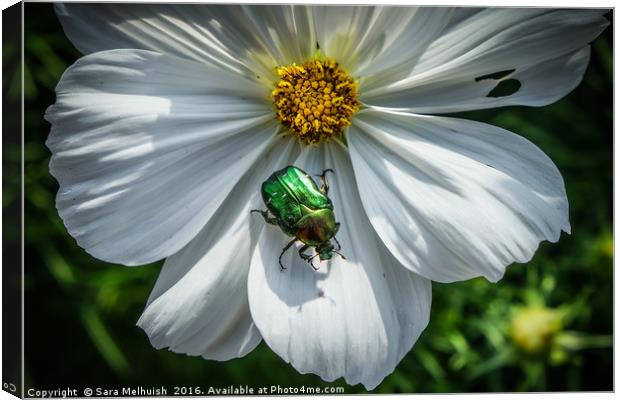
x=340, y=254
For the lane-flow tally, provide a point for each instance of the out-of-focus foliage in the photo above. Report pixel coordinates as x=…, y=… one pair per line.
x=545, y=326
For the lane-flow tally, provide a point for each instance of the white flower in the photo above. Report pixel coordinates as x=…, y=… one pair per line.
x=163, y=132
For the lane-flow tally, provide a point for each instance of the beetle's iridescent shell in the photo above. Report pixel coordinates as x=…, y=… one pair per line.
x=291, y=194
x=316, y=227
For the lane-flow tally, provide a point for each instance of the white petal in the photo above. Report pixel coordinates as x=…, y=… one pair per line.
x=454, y=199
x=248, y=39
x=546, y=50
x=354, y=318
x=145, y=149
x=199, y=305
x=286, y=30
x=370, y=40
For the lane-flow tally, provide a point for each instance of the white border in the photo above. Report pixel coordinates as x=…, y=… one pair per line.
x=472, y=3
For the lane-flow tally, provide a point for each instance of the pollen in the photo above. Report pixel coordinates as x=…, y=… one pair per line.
x=315, y=100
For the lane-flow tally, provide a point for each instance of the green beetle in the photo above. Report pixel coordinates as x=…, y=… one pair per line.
x=302, y=210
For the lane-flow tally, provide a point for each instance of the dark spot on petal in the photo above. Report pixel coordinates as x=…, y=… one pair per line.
x=495, y=75
x=505, y=88
x=317, y=46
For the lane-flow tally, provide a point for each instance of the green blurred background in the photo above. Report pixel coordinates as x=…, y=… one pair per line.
x=545, y=327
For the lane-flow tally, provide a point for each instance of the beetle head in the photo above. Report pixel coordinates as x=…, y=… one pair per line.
x=325, y=250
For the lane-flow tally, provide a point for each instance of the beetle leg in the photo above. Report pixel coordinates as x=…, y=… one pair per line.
x=307, y=257
x=338, y=243
x=301, y=252
x=282, y=267
x=311, y=264
x=323, y=178
x=268, y=219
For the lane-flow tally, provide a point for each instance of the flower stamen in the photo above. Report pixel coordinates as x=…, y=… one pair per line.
x=315, y=100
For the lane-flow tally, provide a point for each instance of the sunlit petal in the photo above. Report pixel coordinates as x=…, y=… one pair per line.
x=454, y=199
x=533, y=56
x=199, y=305
x=146, y=147
x=354, y=318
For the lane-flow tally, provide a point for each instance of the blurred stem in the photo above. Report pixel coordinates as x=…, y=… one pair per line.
x=62, y=272
x=104, y=342
x=535, y=376
x=505, y=357
x=576, y=341
x=429, y=363
x=60, y=269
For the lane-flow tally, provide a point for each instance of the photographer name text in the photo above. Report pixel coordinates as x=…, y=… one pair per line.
x=143, y=391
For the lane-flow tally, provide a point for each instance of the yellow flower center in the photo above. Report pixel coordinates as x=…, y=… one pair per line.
x=315, y=100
